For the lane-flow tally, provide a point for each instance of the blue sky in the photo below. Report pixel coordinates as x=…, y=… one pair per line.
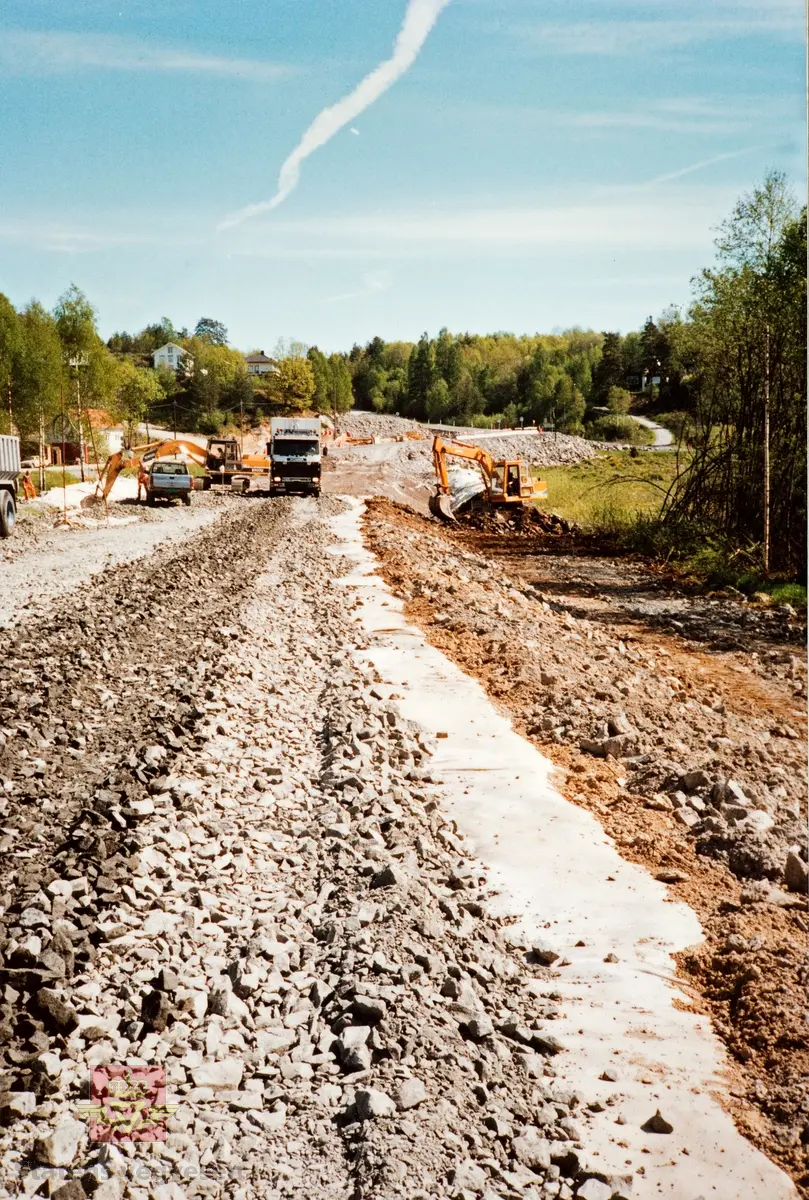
x=542, y=163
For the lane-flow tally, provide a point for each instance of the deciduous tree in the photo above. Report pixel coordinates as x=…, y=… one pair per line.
x=296, y=382
x=211, y=331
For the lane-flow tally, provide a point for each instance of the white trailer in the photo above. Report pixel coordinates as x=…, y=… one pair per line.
x=9, y=473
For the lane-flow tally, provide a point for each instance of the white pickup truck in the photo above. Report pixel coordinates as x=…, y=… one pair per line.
x=167, y=480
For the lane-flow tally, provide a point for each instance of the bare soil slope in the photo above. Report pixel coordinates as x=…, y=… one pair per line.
x=680, y=724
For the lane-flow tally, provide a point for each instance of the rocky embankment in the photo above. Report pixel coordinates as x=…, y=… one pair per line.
x=224, y=854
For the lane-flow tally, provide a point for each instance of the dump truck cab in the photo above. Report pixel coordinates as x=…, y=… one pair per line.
x=294, y=451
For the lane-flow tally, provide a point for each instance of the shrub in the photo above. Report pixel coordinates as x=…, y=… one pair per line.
x=211, y=422
x=619, y=429
x=619, y=401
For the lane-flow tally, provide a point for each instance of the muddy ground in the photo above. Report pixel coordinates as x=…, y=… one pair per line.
x=679, y=721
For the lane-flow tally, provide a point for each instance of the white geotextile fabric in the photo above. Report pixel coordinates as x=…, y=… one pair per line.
x=465, y=483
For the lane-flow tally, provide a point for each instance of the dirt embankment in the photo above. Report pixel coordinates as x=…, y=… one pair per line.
x=690, y=752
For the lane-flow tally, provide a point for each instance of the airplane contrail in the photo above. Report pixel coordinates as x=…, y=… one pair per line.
x=420, y=16
x=698, y=166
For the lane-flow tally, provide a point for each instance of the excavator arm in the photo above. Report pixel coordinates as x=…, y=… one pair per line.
x=440, y=503
x=508, y=481
x=145, y=454
x=442, y=450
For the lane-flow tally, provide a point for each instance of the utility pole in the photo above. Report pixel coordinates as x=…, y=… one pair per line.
x=766, y=546
x=64, y=475
x=241, y=426
x=174, y=410
x=77, y=362
x=41, y=449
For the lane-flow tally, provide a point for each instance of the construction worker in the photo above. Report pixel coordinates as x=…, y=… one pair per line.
x=29, y=491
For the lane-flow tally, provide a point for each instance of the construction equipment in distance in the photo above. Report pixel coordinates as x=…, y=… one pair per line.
x=142, y=456
x=505, y=480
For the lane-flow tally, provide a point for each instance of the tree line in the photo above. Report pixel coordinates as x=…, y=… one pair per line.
x=730, y=370
x=55, y=370
x=740, y=360
x=728, y=374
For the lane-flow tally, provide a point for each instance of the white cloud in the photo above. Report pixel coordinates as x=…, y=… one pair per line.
x=28, y=52
x=636, y=218
x=632, y=37
x=622, y=218
x=695, y=114
x=373, y=282
x=59, y=238
x=419, y=18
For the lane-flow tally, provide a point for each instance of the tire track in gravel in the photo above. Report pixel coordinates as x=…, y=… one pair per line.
x=125, y=660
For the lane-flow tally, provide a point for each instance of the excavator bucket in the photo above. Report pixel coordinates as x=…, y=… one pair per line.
x=440, y=505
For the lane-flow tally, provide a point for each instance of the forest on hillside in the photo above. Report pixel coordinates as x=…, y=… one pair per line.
x=728, y=374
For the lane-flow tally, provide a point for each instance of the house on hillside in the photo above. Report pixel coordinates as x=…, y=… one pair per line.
x=259, y=364
x=172, y=355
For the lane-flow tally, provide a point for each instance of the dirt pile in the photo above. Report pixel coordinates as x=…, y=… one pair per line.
x=537, y=449
x=518, y=519
x=368, y=424
x=696, y=777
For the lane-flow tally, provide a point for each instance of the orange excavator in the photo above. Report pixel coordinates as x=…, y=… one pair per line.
x=141, y=456
x=505, y=481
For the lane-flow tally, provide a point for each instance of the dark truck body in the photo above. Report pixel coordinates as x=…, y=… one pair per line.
x=10, y=469
x=294, y=452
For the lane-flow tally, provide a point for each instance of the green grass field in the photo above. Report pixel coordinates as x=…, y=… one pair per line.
x=619, y=495
x=609, y=492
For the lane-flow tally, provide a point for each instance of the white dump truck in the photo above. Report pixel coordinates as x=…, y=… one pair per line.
x=294, y=451
x=10, y=469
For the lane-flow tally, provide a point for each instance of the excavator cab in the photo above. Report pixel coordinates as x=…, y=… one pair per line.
x=224, y=458
x=509, y=483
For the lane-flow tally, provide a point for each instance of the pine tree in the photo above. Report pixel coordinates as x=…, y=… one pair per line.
x=420, y=377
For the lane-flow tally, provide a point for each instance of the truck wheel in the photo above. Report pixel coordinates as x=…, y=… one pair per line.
x=150, y=499
x=8, y=514
x=187, y=499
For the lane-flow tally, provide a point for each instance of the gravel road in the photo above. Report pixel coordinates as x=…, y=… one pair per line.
x=663, y=436
x=224, y=855
x=42, y=561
